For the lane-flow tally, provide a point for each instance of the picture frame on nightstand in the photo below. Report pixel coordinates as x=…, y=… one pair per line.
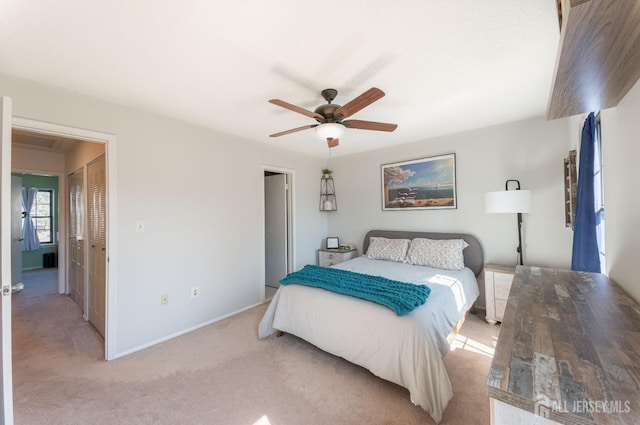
x=333, y=242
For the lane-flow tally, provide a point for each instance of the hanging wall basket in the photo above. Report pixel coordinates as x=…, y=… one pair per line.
x=327, y=194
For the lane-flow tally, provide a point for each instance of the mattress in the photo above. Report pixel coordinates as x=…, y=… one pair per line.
x=406, y=350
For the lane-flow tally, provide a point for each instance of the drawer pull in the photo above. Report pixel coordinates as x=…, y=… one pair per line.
x=331, y=256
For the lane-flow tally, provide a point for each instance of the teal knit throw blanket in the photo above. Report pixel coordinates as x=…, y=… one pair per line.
x=401, y=297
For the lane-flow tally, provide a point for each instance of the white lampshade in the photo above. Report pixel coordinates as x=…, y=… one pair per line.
x=508, y=201
x=330, y=130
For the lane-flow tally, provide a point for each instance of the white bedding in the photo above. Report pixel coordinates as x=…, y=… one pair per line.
x=405, y=350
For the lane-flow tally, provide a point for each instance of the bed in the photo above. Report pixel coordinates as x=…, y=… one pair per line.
x=407, y=350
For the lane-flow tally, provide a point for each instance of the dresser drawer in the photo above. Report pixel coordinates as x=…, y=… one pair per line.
x=501, y=305
x=502, y=285
x=329, y=258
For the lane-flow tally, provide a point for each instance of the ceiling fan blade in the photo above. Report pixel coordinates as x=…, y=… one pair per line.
x=333, y=142
x=295, y=108
x=293, y=130
x=370, y=125
x=360, y=102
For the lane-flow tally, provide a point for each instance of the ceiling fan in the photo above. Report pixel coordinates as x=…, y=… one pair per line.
x=330, y=116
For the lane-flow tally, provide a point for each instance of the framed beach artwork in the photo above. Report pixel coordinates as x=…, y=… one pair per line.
x=420, y=184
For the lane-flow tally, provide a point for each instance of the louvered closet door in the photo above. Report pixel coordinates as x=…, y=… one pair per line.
x=77, y=238
x=97, y=210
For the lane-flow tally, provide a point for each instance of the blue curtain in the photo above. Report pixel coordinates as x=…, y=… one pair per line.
x=30, y=241
x=586, y=254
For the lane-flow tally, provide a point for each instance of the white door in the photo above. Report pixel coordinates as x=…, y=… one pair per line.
x=6, y=386
x=97, y=211
x=76, y=238
x=275, y=223
x=16, y=232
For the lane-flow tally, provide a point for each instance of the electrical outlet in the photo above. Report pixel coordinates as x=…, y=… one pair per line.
x=195, y=291
x=164, y=299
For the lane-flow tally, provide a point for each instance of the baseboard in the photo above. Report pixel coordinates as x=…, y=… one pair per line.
x=184, y=332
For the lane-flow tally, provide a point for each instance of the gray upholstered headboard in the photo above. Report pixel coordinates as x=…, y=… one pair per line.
x=473, y=254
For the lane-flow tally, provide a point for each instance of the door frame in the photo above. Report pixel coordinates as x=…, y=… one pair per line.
x=291, y=255
x=16, y=225
x=62, y=228
x=6, y=350
x=109, y=140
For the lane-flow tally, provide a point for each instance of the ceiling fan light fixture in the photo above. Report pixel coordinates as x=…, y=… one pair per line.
x=330, y=130
x=330, y=117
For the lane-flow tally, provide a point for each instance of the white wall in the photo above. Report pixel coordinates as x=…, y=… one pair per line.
x=200, y=193
x=531, y=151
x=621, y=151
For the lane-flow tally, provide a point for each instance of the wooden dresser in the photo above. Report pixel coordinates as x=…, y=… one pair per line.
x=568, y=351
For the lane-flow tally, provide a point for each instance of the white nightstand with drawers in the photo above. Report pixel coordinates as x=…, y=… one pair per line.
x=497, y=284
x=329, y=257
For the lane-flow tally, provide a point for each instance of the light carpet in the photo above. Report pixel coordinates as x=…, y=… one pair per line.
x=220, y=374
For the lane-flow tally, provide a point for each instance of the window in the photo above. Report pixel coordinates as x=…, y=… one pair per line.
x=42, y=215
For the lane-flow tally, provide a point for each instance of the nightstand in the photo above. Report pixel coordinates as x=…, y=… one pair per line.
x=497, y=284
x=329, y=257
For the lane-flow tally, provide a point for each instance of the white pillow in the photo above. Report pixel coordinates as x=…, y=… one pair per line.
x=440, y=253
x=388, y=249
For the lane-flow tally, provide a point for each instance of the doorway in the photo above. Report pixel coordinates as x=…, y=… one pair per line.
x=47, y=196
x=69, y=146
x=278, y=228
x=35, y=212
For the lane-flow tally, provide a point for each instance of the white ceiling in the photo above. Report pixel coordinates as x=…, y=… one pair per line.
x=446, y=66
